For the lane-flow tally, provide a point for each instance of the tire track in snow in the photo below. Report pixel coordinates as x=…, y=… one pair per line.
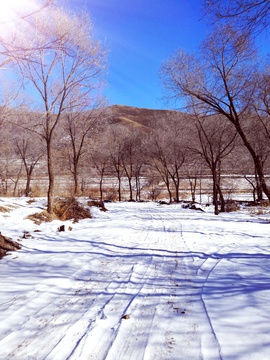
x=120, y=295
x=44, y=325
x=124, y=298
x=135, y=335
x=178, y=331
x=201, y=272
x=35, y=316
x=199, y=333
x=155, y=287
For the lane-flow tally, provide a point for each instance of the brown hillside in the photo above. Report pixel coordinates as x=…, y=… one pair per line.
x=140, y=117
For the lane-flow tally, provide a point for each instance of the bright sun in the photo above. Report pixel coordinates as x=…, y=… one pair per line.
x=11, y=10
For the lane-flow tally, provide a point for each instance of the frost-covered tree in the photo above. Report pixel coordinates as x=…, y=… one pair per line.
x=221, y=80
x=63, y=63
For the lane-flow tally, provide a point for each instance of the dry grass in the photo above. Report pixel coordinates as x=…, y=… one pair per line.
x=64, y=209
x=258, y=211
x=38, y=191
x=232, y=206
x=97, y=203
x=262, y=208
x=30, y=201
x=129, y=121
x=6, y=244
x=7, y=208
x=41, y=217
x=70, y=208
x=4, y=209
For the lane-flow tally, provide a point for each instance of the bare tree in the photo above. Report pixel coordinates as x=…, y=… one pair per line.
x=167, y=158
x=100, y=160
x=129, y=159
x=80, y=126
x=116, y=159
x=30, y=153
x=193, y=171
x=73, y=66
x=18, y=27
x=216, y=141
x=223, y=80
x=251, y=16
x=159, y=163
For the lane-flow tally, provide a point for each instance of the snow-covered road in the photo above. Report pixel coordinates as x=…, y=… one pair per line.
x=141, y=281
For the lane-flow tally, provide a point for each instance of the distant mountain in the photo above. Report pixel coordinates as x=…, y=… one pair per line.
x=140, y=117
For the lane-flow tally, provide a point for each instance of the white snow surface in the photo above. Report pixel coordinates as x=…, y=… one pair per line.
x=191, y=284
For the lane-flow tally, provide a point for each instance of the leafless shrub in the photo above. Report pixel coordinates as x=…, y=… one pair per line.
x=37, y=191
x=153, y=193
x=111, y=194
x=97, y=203
x=232, y=206
x=93, y=193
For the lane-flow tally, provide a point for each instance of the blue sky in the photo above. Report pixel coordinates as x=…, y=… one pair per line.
x=140, y=35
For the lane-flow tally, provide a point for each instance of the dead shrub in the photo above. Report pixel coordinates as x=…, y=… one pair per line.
x=93, y=193
x=264, y=203
x=258, y=211
x=3, y=209
x=37, y=191
x=97, y=203
x=70, y=208
x=64, y=209
x=41, y=217
x=30, y=201
x=232, y=206
x=6, y=244
x=111, y=194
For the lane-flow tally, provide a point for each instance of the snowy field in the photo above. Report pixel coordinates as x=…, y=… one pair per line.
x=139, y=282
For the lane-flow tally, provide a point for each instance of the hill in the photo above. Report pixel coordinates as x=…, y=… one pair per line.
x=140, y=117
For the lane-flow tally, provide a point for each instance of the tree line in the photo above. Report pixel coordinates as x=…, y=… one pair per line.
x=55, y=114
x=175, y=153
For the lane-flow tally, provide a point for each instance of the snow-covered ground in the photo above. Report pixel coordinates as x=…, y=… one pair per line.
x=139, y=282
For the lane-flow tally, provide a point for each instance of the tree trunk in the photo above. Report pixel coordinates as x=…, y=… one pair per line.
x=50, y=193
x=176, y=185
x=29, y=172
x=221, y=199
x=138, y=188
x=193, y=189
x=17, y=181
x=130, y=189
x=27, y=186
x=101, y=185
x=215, y=190
x=259, y=189
x=256, y=159
x=76, y=181
x=169, y=192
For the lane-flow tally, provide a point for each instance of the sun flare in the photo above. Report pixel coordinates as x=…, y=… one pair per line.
x=11, y=10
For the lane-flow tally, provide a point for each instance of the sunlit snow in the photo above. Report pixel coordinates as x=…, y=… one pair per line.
x=191, y=284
